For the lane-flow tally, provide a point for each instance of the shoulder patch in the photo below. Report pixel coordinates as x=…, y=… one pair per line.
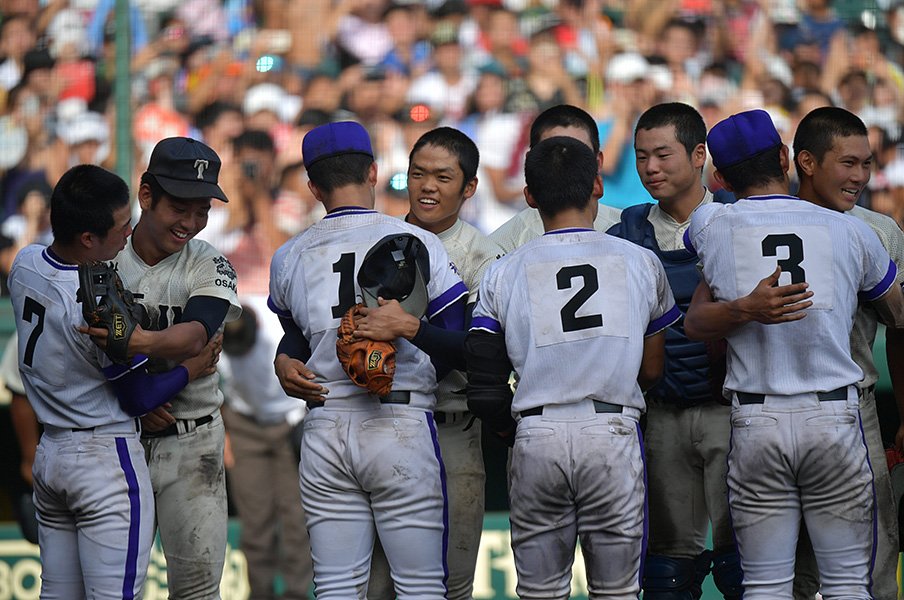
x=224, y=267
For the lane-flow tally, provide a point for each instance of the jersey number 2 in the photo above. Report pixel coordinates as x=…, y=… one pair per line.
x=570, y=320
x=33, y=308
x=795, y=246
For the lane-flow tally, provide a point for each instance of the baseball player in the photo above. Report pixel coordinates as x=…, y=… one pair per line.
x=189, y=290
x=687, y=423
x=567, y=120
x=797, y=448
x=833, y=160
x=92, y=488
x=441, y=177
x=369, y=464
x=554, y=306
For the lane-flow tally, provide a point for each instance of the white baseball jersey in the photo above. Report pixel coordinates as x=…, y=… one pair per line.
x=837, y=255
x=314, y=275
x=472, y=252
x=527, y=225
x=866, y=320
x=43, y=291
x=165, y=288
x=599, y=293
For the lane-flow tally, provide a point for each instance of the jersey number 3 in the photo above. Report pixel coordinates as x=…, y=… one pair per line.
x=795, y=246
x=564, y=279
x=31, y=309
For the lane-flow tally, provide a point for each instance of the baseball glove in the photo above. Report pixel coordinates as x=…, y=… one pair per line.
x=369, y=364
x=116, y=310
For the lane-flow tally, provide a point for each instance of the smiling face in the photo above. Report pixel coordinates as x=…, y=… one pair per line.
x=167, y=225
x=436, y=188
x=114, y=240
x=665, y=169
x=839, y=178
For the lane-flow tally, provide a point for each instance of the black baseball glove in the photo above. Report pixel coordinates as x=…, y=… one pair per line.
x=106, y=303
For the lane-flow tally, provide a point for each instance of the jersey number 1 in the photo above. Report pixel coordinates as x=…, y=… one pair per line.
x=30, y=309
x=345, y=266
x=570, y=320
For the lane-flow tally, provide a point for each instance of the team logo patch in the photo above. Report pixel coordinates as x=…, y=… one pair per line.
x=224, y=267
x=374, y=359
x=119, y=327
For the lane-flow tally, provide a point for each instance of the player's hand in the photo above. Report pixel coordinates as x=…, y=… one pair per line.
x=99, y=336
x=205, y=363
x=770, y=303
x=228, y=456
x=386, y=322
x=297, y=380
x=158, y=419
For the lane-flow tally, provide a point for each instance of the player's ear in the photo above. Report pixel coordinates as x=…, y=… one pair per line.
x=783, y=157
x=144, y=196
x=470, y=188
x=805, y=162
x=372, y=174
x=598, y=187
x=698, y=156
x=529, y=198
x=722, y=181
x=315, y=191
x=599, y=169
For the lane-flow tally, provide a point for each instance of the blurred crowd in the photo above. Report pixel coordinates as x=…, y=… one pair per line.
x=250, y=77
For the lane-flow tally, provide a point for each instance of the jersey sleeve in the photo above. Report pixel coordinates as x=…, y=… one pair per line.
x=278, y=301
x=213, y=275
x=485, y=316
x=880, y=271
x=695, y=234
x=446, y=290
x=665, y=311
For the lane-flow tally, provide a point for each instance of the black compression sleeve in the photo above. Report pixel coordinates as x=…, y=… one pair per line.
x=293, y=342
x=206, y=310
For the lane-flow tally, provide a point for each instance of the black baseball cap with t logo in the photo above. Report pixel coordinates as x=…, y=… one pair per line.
x=186, y=168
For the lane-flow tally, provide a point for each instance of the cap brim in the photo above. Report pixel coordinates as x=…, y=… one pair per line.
x=414, y=304
x=179, y=188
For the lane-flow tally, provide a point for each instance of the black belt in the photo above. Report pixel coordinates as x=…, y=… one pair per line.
x=598, y=406
x=173, y=429
x=390, y=398
x=836, y=394
x=83, y=429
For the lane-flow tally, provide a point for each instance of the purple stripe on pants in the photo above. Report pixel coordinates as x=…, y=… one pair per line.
x=442, y=475
x=125, y=461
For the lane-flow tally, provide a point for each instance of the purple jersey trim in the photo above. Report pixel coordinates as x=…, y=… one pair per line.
x=445, y=300
x=442, y=476
x=687, y=241
x=348, y=210
x=487, y=324
x=56, y=262
x=664, y=321
x=884, y=285
x=272, y=306
x=131, y=570
x=567, y=230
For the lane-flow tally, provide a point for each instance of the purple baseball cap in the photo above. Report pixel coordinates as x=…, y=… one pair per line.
x=333, y=139
x=186, y=168
x=741, y=137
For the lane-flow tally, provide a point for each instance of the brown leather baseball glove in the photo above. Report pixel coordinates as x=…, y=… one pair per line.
x=369, y=364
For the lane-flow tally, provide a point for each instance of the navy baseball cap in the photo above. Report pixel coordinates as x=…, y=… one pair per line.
x=186, y=168
x=333, y=139
x=741, y=137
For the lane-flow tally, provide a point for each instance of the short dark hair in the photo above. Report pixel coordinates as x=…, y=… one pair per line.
x=83, y=200
x=341, y=170
x=690, y=129
x=456, y=143
x=565, y=115
x=560, y=172
x=817, y=131
x=254, y=139
x=758, y=170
